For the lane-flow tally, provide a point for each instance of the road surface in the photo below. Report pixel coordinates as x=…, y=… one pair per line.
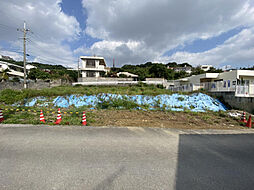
x=124, y=158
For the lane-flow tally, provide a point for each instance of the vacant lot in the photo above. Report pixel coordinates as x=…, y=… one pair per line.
x=111, y=116
x=164, y=119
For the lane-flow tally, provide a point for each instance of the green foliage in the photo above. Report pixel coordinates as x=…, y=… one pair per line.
x=172, y=64
x=9, y=96
x=46, y=71
x=180, y=99
x=156, y=70
x=13, y=96
x=4, y=76
x=160, y=70
x=214, y=70
x=197, y=71
x=181, y=74
x=55, y=74
x=116, y=103
x=20, y=117
x=184, y=65
x=38, y=74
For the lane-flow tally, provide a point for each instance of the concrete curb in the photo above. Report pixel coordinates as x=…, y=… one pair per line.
x=172, y=130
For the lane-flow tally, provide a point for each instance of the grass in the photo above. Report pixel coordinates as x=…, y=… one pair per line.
x=121, y=117
x=12, y=116
x=9, y=96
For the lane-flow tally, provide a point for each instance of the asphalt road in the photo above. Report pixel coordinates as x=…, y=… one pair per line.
x=124, y=158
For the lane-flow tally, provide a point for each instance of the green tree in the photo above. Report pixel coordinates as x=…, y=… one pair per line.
x=4, y=76
x=159, y=71
x=172, y=64
x=214, y=70
x=38, y=74
x=197, y=71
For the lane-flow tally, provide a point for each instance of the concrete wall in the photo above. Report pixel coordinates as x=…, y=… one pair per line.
x=32, y=85
x=241, y=103
x=117, y=82
x=103, y=79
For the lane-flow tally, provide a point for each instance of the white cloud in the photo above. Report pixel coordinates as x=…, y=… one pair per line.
x=49, y=26
x=130, y=52
x=13, y=55
x=160, y=25
x=237, y=50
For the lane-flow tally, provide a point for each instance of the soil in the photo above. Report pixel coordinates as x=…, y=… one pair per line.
x=182, y=120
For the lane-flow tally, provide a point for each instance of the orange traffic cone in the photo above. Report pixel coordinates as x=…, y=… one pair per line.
x=84, y=118
x=1, y=116
x=249, y=122
x=42, y=117
x=243, y=118
x=59, y=117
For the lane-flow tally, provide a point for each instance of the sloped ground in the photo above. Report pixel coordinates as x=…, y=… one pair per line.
x=196, y=102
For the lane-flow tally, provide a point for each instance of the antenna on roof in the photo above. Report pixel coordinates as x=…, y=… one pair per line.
x=113, y=62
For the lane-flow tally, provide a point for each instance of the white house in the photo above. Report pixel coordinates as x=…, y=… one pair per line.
x=127, y=74
x=92, y=66
x=13, y=70
x=186, y=69
x=29, y=67
x=239, y=81
x=206, y=67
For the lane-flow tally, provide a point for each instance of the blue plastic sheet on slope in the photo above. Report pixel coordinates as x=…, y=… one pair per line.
x=176, y=102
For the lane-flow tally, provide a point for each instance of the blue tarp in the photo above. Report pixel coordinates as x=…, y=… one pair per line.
x=198, y=102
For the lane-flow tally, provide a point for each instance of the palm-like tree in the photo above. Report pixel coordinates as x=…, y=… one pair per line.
x=4, y=76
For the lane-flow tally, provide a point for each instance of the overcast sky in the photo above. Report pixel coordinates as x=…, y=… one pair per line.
x=216, y=32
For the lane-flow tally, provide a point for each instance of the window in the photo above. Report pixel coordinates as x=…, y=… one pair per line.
x=101, y=62
x=90, y=74
x=225, y=84
x=90, y=63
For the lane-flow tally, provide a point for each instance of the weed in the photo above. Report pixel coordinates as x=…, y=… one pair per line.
x=11, y=96
x=222, y=114
x=180, y=99
x=205, y=117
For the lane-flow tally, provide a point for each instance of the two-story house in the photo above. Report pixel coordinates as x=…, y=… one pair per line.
x=92, y=66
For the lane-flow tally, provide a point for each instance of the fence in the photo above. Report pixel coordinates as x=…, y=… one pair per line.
x=221, y=86
x=186, y=88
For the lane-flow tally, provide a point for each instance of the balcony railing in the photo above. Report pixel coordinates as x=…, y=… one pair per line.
x=239, y=90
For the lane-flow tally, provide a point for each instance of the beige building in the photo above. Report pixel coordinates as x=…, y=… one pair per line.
x=240, y=81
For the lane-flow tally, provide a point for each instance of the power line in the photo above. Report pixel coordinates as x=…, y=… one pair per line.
x=37, y=46
x=7, y=26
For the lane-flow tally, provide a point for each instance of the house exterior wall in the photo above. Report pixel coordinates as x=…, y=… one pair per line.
x=231, y=75
x=239, y=81
x=90, y=70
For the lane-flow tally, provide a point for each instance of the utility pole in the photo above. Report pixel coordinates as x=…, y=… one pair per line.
x=78, y=68
x=24, y=30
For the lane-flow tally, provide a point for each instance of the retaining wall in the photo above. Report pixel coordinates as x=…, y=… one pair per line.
x=32, y=84
x=241, y=103
x=103, y=79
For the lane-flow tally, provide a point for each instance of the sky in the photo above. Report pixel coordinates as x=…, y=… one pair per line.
x=218, y=33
